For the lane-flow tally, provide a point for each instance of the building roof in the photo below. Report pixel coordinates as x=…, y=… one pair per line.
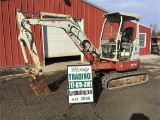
x=86, y=1
x=105, y=10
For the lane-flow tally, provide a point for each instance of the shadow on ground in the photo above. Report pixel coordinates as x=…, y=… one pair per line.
x=138, y=116
x=55, y=85
x=11, y=71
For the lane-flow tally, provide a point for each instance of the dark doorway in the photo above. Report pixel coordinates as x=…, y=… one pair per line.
x=49, y=61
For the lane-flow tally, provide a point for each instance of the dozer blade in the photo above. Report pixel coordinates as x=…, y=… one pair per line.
x=40, y=88
x=120, y=80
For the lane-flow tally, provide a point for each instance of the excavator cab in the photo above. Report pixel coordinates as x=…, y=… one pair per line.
x=116, y=41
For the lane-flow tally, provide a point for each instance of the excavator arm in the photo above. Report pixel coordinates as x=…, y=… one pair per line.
x=25, y=38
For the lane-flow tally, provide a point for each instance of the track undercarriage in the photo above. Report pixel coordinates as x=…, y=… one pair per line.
x=113, y=81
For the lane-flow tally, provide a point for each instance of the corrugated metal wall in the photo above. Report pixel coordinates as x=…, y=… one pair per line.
x=146, y=50
x=10, y=51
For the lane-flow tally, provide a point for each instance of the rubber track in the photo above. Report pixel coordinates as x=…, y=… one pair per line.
x=112, y=76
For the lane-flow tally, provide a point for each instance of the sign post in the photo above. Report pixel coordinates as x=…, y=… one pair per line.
x=80, y=85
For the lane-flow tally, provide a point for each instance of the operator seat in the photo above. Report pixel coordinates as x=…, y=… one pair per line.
x=127, y=35
x=126, y=40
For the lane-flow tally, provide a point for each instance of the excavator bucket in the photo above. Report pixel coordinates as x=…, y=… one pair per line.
x=40, y=88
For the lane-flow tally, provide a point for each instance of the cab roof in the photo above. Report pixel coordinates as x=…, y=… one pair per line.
x=115, y=16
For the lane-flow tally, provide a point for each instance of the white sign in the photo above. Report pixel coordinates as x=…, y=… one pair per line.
x=80, y=84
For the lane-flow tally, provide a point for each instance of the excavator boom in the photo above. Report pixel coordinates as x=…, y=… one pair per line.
x=25, y=38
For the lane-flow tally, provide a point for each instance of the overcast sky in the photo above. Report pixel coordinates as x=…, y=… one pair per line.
x=149, y=10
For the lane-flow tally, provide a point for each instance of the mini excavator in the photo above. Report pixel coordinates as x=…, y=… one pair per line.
x=116, y=61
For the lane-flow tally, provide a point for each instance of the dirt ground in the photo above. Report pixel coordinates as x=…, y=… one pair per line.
x=141, y=102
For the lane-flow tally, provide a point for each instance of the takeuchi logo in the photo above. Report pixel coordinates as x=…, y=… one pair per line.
x=76, y=69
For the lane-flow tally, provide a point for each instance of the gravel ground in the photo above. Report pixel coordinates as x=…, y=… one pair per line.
x=141, y=102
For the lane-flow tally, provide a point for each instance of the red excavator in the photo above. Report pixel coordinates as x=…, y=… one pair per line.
x=116, y=61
